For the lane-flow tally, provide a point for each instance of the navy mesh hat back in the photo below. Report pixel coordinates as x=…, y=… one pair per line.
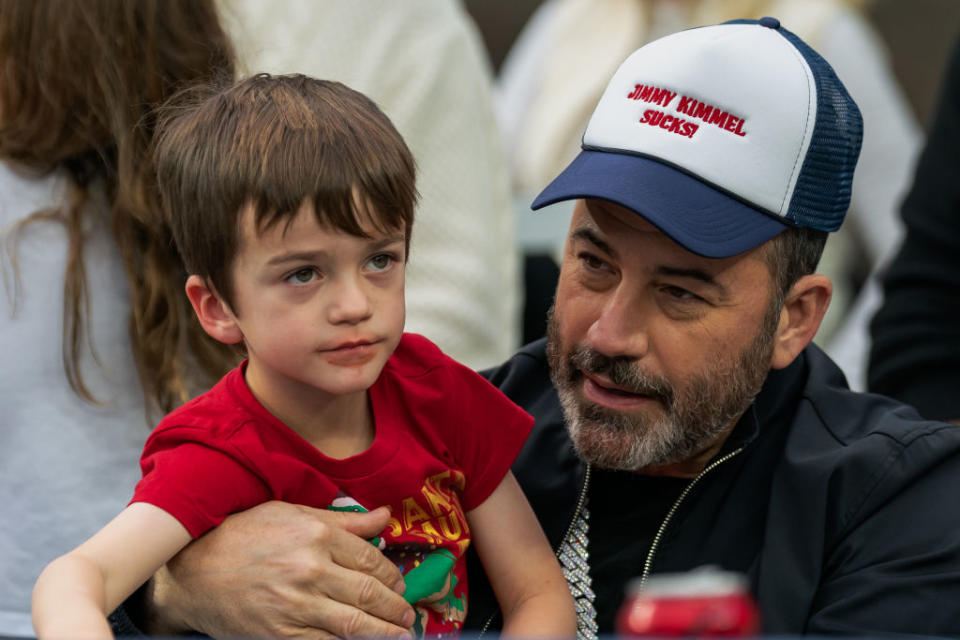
x=822, y=194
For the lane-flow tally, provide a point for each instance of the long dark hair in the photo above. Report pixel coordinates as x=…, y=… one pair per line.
x=78, y=84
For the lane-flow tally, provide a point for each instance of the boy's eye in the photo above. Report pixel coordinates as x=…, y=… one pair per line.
x=380, y=262
x=302, y=276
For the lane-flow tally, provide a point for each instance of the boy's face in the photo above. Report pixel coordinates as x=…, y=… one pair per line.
x=319, y=309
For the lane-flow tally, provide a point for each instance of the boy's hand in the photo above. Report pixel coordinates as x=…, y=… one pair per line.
x=282, y=570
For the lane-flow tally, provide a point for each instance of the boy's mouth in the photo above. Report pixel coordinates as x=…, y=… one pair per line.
x=352, y=344
x=351, y=352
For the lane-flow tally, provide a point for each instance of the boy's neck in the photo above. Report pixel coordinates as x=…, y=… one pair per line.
x=339, y=426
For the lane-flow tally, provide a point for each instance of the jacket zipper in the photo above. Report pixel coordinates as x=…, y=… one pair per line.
x=648, y=563
x=576, y=514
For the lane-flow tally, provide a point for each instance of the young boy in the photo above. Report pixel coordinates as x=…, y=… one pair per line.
x=291, y=201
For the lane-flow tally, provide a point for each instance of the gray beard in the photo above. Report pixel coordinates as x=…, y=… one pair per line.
x=686, y=421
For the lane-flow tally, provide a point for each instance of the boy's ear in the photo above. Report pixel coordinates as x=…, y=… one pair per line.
x=214, y=314
x=800, y=317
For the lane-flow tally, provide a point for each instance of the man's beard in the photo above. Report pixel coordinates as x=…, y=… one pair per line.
x=691, y=417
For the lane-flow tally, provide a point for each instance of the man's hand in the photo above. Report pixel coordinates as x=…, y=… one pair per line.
x=282, y=570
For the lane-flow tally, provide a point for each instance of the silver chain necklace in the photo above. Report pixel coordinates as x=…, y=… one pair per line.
x=575, y=563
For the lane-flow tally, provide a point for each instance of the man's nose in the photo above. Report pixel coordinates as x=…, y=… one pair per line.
x=620, y=329
x=351, y=303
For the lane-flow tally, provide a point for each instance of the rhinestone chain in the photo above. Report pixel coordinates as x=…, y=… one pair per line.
x=575, y=562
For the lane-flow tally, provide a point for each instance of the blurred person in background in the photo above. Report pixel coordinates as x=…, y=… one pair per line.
x=915, y=355
x=95, y=327
x=546, y=91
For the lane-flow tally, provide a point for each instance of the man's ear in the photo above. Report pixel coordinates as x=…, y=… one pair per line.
x=800, y=317
x=214, y=314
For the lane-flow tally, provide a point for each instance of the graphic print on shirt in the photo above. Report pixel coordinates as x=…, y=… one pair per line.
x=426, y=538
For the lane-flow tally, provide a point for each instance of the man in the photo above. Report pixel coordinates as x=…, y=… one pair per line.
x=683, y=418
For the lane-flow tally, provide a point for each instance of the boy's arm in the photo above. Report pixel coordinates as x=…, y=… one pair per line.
x=76, y=591
x=524, y=573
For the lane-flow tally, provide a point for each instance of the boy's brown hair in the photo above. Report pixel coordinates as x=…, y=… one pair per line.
x=275, y=143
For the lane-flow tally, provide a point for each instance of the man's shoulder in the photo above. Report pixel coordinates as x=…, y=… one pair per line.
x=860, y=479
x=849, y=416
x=526, y=372
x=860, y=440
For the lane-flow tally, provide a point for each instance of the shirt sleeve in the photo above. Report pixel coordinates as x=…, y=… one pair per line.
x=489, y=432
x=197, y=484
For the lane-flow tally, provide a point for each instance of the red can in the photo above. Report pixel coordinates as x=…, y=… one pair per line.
x=706, y=602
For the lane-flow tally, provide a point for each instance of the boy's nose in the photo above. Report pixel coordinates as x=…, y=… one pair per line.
x=351, y=303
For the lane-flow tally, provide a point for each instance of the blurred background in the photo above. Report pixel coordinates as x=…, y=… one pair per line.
x=916, y=33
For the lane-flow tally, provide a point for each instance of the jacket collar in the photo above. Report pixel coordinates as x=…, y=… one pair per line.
x=777, y=397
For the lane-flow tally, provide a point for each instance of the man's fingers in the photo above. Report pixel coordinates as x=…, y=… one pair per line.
x=339, y=539
x=360, y=576
x=312, y=634
x=365, y=525
x=369, y=560
x=368, y=595
x=347, y=622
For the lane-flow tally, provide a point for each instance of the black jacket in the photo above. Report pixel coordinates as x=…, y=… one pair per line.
x=840, y=507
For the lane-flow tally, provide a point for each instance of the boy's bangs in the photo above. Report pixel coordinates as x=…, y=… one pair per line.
x=354, y=211
x=275, y=143
x=344, y=158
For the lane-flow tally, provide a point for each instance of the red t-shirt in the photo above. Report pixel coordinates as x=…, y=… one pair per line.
x=444, y=439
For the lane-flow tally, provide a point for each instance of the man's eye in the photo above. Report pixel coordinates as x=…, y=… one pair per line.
x=680, y=294
x=380, y=262
x=591, y=261
x=302, y=276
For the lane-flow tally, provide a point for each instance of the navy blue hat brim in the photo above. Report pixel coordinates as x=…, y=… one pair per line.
x=699, y=217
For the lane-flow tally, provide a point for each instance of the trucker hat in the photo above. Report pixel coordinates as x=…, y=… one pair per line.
x=721, y=137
